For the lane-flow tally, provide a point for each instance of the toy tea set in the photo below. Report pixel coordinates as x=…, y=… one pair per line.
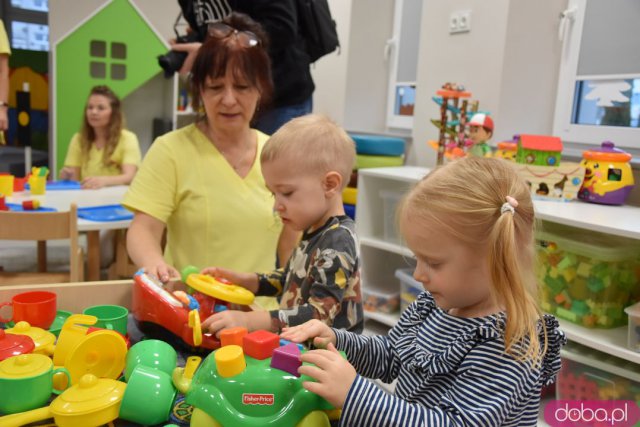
x=250, y=379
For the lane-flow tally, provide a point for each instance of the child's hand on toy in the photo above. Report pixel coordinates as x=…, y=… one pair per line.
x=252, y=320
x=321, y=333
x=162, y=271
x=246, y=280
x=334, y=374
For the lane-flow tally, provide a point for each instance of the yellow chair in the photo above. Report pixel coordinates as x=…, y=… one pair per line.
x=43, y=226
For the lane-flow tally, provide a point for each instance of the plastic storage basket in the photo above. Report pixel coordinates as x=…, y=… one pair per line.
x=390, y=201
x=587, y=374
x=586, y=277
x=410, y=288
x=381, y=302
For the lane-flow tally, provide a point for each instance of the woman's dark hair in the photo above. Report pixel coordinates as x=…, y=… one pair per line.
x=248, y=63
x=114, y=129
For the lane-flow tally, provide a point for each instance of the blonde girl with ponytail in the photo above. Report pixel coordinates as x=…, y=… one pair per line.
x=474, y=348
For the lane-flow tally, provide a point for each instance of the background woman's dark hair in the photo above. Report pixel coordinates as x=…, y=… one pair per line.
x=248, y=63
x=114, y=129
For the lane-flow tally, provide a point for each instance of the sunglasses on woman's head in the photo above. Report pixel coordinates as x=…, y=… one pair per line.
x=221, y=30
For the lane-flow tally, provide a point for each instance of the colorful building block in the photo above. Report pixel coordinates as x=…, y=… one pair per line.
x=230, y=361
x=284, y=342
x=233, y=336
x=287, y=359
x=260, y=344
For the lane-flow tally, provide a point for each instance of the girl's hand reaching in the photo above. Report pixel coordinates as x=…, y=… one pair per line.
x=321, y=333
x=95, y=182
x=333, y=373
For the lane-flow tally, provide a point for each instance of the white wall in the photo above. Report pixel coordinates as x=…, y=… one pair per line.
x=473, y=59
x=330, y=72
x=368, y=72
x=509, y=61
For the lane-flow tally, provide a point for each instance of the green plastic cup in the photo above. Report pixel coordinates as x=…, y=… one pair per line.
x=148, y=398
x=154, y=354
x=112, y=317
x=61, y=317
x=28, y=381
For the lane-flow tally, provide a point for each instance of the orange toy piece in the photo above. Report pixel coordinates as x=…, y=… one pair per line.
x=260, y=344
x=233, y=336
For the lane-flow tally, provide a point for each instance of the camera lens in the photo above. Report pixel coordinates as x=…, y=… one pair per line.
x=171, y=62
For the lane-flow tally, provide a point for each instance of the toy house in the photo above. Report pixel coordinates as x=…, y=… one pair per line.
x=538, y=161
x=539, y=150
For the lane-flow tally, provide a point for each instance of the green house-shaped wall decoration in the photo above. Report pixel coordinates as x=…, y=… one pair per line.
x=539, y=150
x=115, y=46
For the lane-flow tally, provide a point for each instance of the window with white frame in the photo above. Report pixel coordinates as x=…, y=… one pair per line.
x=402, y=51
x=26, y=23
x=599, y=82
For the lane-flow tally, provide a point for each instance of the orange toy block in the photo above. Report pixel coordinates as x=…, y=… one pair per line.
x=260, y=344
x=232, y=336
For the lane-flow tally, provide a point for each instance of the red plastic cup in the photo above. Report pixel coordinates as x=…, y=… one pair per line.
x=37, y=307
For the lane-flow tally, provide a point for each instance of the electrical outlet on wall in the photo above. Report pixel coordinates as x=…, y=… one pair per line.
x=460, y=21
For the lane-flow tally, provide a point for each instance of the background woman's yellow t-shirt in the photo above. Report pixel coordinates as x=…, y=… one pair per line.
x=127, y=152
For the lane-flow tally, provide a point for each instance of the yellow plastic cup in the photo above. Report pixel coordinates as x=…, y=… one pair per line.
x=6, y=185
x=38, y=184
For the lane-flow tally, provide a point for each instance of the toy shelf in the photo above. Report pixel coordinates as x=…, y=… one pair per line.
x=383, y=252
x=610, y=341
x=617, y=220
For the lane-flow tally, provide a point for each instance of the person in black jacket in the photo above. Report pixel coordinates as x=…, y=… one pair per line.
x=292, y=79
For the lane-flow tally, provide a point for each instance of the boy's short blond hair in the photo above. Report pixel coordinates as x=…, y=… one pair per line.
x=313, y=143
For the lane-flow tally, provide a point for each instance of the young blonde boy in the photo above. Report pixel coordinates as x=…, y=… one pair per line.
x=306, y=165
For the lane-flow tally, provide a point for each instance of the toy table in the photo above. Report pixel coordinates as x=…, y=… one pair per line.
x=62, y=199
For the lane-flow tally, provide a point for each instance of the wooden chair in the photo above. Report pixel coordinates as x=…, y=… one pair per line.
x=43, y=226
x=122, y=267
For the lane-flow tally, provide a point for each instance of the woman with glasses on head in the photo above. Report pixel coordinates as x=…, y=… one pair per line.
x=290, y=62
x=203, y=183
x=103, y=153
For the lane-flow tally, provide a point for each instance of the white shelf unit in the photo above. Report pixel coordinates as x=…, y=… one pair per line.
x=381, y=256
x=381, y=253
x=181, y=118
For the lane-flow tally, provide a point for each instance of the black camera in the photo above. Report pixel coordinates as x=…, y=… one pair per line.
x=172, y=61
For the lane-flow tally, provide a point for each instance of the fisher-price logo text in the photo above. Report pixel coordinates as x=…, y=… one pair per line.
x=589, y=413
x=257, y=399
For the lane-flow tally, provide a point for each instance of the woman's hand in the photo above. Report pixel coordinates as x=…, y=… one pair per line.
x=162, y=271
x=69, y=173
x=321, y=333
x=334, y=375
x=95, y=182
x=246, y=280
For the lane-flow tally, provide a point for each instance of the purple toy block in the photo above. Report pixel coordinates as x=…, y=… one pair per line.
x=287, y=359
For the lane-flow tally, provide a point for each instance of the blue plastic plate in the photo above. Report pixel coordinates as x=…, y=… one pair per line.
x=18, y=208
x=105, y=213
x=60, y=185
